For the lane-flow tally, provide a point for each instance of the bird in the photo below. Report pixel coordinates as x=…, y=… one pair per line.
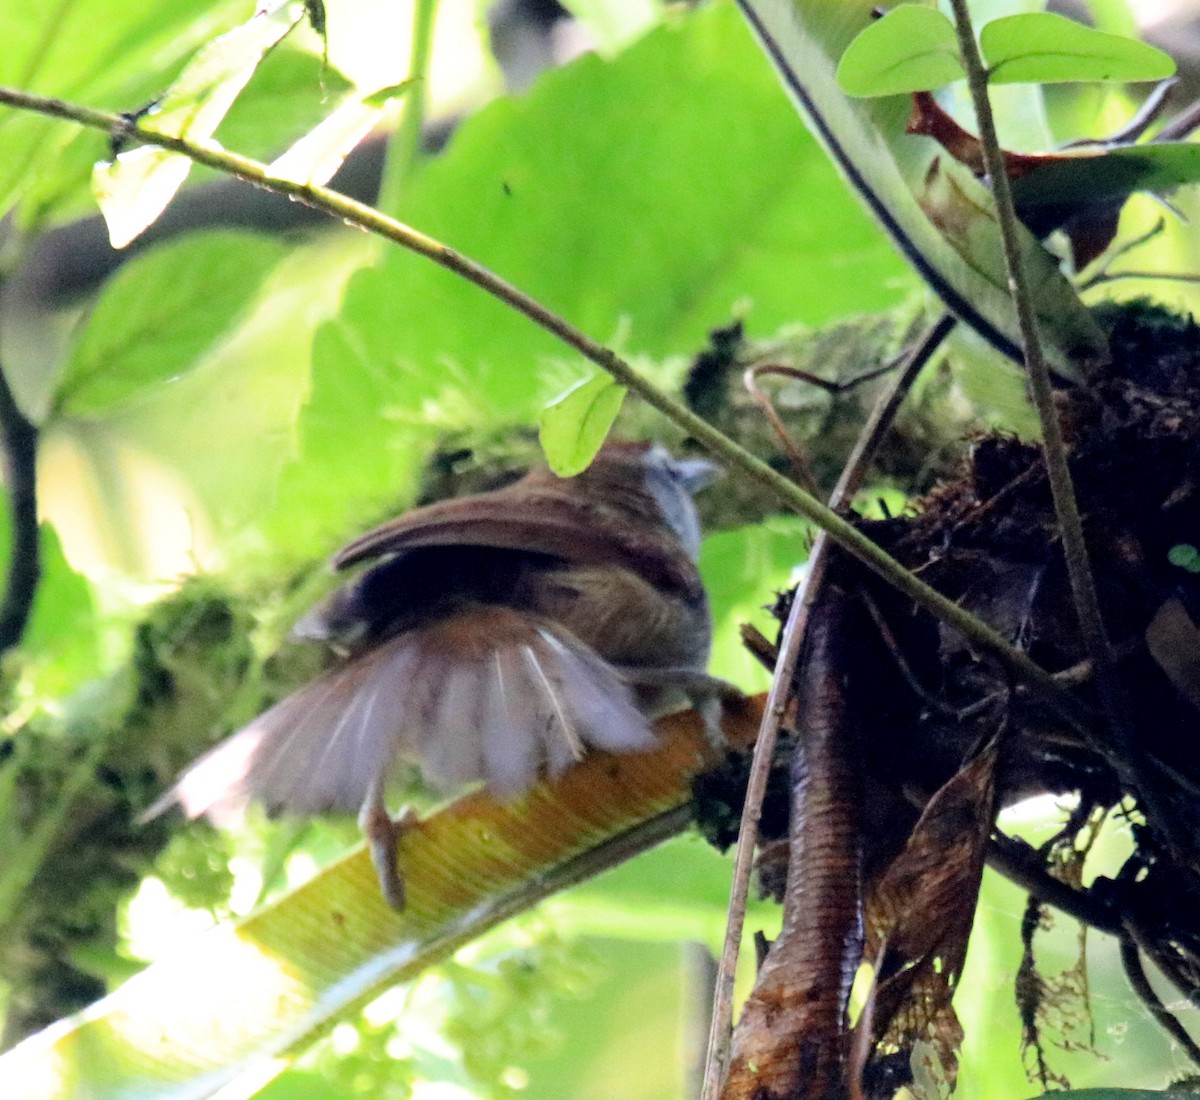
x=491, y=639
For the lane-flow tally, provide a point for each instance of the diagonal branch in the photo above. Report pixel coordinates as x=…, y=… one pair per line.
x=364, y=217
x=1128, y=758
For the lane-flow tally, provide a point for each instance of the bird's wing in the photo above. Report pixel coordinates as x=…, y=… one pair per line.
x=542, y=519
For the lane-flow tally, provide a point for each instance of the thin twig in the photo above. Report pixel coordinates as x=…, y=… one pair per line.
x=720, y=445
x=1131, y=960
x=1041, y=388
x=870, y=436
x=799, y=460
x=1124, y=248
x=19, y=438
x=851, y=479
x=404, y=147
x=1128, y=758
x=884, y=412
x=1181, y=125
x=1112, y=277
x=1020, y=863
x=1172, y=964
x=1143, y=118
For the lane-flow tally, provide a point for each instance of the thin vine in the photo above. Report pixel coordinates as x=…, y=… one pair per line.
x=1128, y=758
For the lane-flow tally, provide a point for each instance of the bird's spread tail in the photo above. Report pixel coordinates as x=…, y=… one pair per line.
x=486, y=694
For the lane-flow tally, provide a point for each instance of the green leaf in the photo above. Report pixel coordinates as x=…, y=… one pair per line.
x=1097, y=179
x=159, y=313
x=60, y=647
x=529, y=192
x=290, y=93
x=384, y=96
x=1044, y=48
x=134, y=189
x=1185, y=556
x=86, y=51
x=573, y=427
x=940, y=217
x=911, y=49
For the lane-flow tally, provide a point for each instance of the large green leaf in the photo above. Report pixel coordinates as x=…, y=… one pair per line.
x=86, y=51
x=647, y=199
x=941, y=218
x=205, y=450
x=160, y=313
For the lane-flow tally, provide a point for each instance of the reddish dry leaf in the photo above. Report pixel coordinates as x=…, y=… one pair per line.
x=930, y=119
x=919, y=915
x=1089, y=228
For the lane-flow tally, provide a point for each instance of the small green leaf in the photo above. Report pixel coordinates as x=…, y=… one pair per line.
x=289, y=94
x=573, y=427
x=1108, y=177
x=1043, y=48
x=911, y=49
x=1185, y=556
x=384, y=96
x=1119, y=1094
x=160, y=313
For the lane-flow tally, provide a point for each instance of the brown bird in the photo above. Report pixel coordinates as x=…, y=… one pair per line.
x=496, y=638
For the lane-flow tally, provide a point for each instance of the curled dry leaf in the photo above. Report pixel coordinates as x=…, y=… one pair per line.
x=918, y=918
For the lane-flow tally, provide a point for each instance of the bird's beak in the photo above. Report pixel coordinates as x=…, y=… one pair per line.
x=697, y=473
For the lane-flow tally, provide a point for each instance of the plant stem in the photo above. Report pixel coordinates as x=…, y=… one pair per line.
x=405, y=145
x=1041, y=389
x=725, y=449
x=782, y=680
x=1128, y=757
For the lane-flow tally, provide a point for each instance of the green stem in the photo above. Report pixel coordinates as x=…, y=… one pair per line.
x=1128, y=757
x=1066, y=506
x=364, y=217
x=404, y=148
